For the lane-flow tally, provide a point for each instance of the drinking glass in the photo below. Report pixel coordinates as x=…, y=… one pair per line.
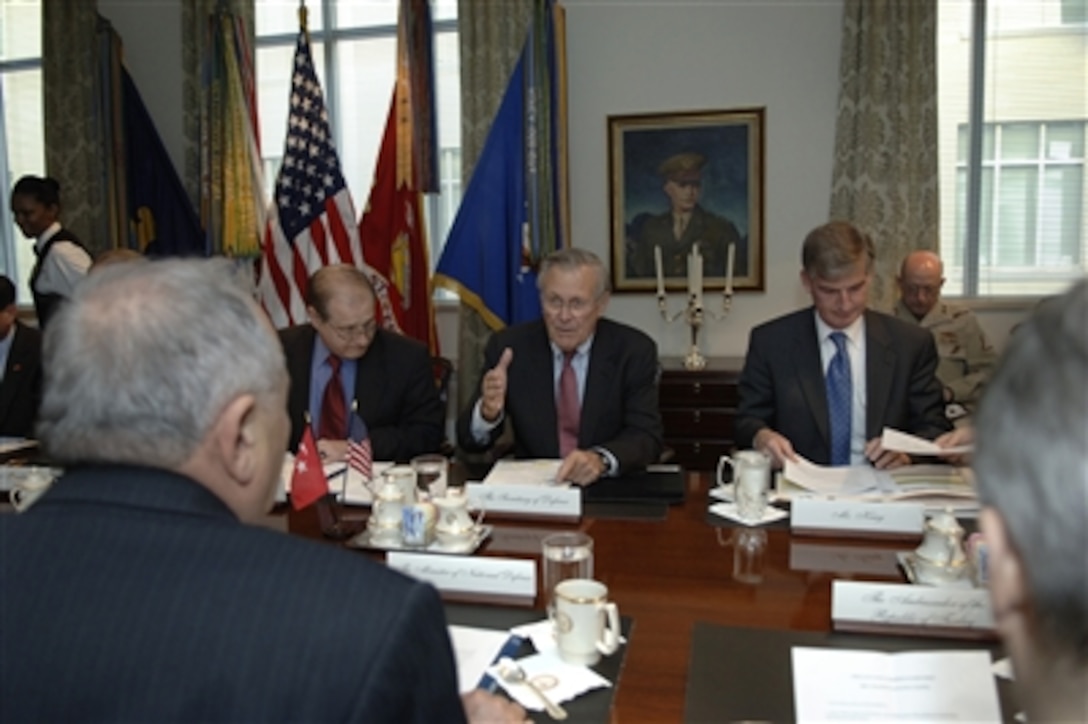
x=566, y=555
x=432, y=474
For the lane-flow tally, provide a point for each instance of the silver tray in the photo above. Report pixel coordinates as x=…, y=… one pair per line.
x=363, y=540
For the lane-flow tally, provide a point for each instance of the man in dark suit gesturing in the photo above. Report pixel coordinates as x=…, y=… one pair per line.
x=20, y=366
x=823, y=382
x=342, y=359
x=132, y=590
x=573, y=385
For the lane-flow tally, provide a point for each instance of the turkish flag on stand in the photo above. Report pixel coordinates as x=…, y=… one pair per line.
x=308, y=483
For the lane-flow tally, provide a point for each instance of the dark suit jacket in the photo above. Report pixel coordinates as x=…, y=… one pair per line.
x=21, y=389
x=135, y=594
x=394, y=388
x=619, y=407
x=782, y=385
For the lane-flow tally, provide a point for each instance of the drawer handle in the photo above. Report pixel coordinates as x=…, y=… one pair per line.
x=697, y=415
x=696, y=447
x=698, y=387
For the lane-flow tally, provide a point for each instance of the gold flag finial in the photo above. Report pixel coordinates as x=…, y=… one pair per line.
x=302, y=16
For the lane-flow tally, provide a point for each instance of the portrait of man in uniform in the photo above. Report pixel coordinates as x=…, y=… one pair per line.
x=682, y=182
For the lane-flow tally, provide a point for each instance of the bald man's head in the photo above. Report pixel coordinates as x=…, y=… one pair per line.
x=921, y=277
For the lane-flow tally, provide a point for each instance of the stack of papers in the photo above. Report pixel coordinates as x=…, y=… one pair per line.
x=523, y=472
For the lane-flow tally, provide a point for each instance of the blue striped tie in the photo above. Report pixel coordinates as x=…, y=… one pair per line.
x=839, y=392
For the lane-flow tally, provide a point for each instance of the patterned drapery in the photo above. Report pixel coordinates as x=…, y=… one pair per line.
x=885, y=171
x=492, y=34
x=81, y=92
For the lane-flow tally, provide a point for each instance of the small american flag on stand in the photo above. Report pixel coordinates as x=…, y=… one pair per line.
x=360, y=454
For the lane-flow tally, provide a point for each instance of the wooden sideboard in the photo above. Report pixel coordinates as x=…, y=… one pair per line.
x=698, y=408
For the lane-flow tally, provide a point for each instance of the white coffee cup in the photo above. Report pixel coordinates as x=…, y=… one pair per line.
x=751, y=482
x=587, y=624
x=29, y=486
x=404, y=477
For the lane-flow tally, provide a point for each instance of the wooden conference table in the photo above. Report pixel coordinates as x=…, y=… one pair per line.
x=670, y=568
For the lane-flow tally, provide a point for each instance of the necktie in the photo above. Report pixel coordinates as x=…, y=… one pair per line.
x=567, y=407
x=679, y=226
x=839, y=393
x=334, y=413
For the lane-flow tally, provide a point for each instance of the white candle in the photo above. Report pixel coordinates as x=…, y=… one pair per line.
x=695, y=276
x=729, y=269
x=660, y=271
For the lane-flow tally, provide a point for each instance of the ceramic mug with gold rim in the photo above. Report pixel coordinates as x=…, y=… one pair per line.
x=587, y=624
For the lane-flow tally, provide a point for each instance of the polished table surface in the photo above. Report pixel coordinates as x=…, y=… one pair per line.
x=668, y=572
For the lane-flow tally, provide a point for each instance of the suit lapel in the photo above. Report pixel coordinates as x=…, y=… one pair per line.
x=810, y=374
x=369, y=368
x=879, y=368
x=298, y=367
x=540, y=375
x=599, y=380
x=12, y=372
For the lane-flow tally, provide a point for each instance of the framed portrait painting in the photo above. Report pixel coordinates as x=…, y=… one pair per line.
x=681, y=181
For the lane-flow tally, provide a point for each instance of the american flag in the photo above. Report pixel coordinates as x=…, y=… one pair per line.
x=361, y=458
x=360, y=454
x=311, y=221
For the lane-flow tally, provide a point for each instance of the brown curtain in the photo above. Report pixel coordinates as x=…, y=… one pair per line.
x=885, y=171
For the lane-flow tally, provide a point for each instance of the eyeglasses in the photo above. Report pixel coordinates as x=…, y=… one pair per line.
x=576, y=307
x=348, y=332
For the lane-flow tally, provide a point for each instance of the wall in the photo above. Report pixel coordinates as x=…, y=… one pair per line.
x=636, y=56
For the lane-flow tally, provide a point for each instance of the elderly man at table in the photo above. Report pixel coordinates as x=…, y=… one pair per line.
x=342, y=359
x=573, y=385
x=135, y=589
x=20, y=368
x=1032, y=472
x=823, y=382
x=966, y=358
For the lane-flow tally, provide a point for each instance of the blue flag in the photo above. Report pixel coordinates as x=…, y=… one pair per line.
x=510, y=213
x=162, y=221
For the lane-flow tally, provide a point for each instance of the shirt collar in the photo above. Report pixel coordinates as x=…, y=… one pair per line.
x=579, y=351
x=46, y=235
x=853, y=331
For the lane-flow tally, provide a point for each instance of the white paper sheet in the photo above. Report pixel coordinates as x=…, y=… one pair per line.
x=898, y=441
x=826, y=480
x=846, y=685
x=348, y=486
x=523, y=472
x=474, y=649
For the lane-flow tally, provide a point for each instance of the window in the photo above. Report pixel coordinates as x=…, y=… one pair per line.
x=354, y=47
x=1026, y=233
x=22, y=138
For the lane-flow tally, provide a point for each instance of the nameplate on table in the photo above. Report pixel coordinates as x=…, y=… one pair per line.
x=530, y=501
x=470, y=578
x=906, y=608
x=821, y=516
x=826, y=558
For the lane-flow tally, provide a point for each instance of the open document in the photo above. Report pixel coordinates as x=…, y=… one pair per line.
x=847, y=685
x=935, y=486
x=898, y=441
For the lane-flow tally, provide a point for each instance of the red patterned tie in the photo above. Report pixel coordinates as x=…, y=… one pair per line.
x=334, y=413
x=568, y=408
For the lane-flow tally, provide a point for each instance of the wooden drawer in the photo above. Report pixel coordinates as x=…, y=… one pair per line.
x=694, y=422
x=697, y=393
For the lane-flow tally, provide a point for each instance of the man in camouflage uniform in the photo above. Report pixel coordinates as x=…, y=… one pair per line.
x=966, y=358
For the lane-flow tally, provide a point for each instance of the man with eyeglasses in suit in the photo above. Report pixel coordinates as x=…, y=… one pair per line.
x=573, y=385
x=343, y=366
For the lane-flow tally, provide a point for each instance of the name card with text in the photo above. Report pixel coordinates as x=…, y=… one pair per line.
x=483, y=577
x=846, y=516
x=881, y=606
x=526, y=500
